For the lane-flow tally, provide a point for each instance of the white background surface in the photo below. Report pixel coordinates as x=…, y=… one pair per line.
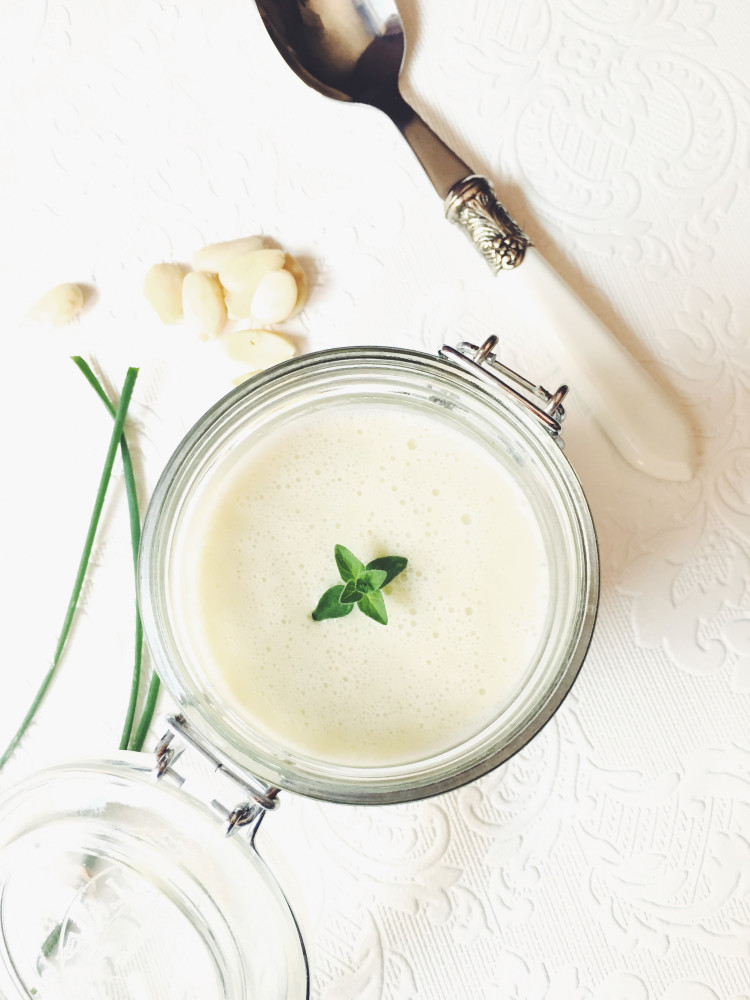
x=610, y=860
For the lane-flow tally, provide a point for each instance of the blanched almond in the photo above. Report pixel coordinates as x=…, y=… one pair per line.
x=294, y=267
x=216, y=256
x=59, y=305
x=243, y=273
x=258, y=349
x=203, y=303
x=162, y=287
x=238, y=303
x=275, y=297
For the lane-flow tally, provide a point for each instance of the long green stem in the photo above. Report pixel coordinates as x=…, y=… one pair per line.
x=148, y=713
x=122, y=409
x=135, y=540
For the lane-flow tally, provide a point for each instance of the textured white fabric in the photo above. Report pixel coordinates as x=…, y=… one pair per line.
x=609, y=860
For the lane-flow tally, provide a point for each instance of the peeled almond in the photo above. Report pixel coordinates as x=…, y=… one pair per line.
x=238, y=304
x=258, y=349
x=275, y=297
x=59, y=305
x=295, y=269
x=203, y=303
x=243, y=273
x=216, y=256
x=162, y=287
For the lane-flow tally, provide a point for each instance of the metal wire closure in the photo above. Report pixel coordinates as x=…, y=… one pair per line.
x=257, y=798
x=545, y=406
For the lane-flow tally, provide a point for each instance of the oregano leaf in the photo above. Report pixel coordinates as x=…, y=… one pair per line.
x=373, y=605
x=390, y=565
x=349, y=566
x=330, y=606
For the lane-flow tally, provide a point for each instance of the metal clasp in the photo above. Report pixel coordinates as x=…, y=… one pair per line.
x=256, y=797
x=545, y=406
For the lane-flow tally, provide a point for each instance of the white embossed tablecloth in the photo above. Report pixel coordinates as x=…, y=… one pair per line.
x=610, y=860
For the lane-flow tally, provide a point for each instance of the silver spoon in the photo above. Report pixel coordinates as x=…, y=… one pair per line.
x=352, y=50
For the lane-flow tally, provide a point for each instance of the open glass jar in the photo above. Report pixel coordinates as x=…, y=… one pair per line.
x=465, y=395
x=116, y=885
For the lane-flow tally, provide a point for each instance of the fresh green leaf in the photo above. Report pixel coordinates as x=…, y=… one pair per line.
x=330, y=606
x=373, y=605
x=371, y=579
x=390, y=565
x=349, y=566
x=351, y=593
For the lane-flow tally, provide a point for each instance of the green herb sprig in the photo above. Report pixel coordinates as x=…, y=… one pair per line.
x=363, y=586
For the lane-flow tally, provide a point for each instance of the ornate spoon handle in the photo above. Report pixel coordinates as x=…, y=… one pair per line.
x=473, y=206
x=640, y=419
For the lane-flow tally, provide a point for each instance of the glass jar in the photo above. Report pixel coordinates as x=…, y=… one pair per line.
x=467, y=389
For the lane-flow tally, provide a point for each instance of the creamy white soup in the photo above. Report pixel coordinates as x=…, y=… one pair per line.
x=465, y=617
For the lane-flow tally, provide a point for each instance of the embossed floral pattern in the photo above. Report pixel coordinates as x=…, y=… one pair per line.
x=610, y=859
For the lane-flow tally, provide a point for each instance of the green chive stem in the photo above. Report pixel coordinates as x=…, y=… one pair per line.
x=135, y=540
x=122, y=409
x=148, y=713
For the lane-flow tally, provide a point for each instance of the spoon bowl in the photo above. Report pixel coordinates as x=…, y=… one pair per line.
x=353, y=50
x=347, y=51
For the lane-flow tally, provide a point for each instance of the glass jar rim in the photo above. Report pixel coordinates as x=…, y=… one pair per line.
x=395, y=370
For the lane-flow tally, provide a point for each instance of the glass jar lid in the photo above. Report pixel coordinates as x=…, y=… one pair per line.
x=404, y=387
x=116, y=887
